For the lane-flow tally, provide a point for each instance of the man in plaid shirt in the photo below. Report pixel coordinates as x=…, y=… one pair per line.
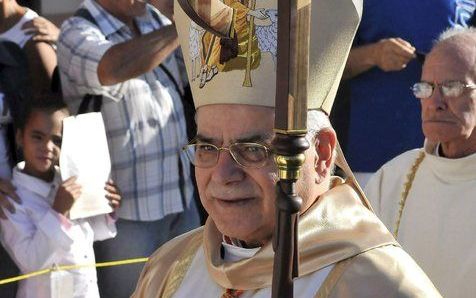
x=123, y=50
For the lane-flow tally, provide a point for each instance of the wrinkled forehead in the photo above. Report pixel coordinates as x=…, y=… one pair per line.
x=457, y=55
x=229, y=123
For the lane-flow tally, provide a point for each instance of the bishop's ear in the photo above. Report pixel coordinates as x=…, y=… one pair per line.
x=325, y=145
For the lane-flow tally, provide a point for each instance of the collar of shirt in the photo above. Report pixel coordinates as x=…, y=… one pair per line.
x=432, y=148
x=110, y=24
x=450, y=170
x=437, y=150
x=233, y=241
x=233, y=250
x=234, y=253
x=45, y=190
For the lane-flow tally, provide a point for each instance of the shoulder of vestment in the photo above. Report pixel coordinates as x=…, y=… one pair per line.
x=386, y=271
x=166, y=267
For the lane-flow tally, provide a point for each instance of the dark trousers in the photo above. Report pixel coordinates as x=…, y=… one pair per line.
x=7, y=269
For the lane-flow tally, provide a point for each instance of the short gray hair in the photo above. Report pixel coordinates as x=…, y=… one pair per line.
x=316, y=121
x=450, y=32
x=462, y=40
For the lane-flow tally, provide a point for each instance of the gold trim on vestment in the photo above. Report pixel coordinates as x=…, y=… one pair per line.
x=180, y=269
x=406, y=190
x=336, y=227
x=332, y=278
x=337, y=230
x=168, y=266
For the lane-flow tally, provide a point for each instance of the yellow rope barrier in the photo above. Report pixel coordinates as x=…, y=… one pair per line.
x=72, y=267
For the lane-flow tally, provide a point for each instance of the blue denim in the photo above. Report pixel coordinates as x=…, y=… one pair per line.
x=137, y=239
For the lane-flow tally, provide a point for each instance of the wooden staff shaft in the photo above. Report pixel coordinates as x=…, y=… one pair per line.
x=251, y=28
x=290, y=142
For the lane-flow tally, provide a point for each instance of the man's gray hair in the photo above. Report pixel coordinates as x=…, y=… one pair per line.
x=316, y=121
x=450, y=32
x=463, y=39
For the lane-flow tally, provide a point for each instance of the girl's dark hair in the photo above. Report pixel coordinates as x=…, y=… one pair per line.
x=32, y=4
x=47, y=102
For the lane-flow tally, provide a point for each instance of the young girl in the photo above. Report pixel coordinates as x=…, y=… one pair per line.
x=39, y=234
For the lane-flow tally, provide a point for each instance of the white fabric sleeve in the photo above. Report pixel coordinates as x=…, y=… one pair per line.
x=104, y=227
x=35, y=245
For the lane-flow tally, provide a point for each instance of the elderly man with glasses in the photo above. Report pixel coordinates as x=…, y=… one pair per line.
x=344, y=250
x=427, y=196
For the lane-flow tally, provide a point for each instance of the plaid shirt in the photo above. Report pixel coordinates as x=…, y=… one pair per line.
x=144, y=117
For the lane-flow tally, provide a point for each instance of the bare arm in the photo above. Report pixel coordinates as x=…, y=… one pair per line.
x=390, y=54
x=42, y=61
x=42, y=30
x=130, y=59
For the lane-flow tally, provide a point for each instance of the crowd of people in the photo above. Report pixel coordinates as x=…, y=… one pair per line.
x=131, y=61
x=28, y=55
x=130, y=71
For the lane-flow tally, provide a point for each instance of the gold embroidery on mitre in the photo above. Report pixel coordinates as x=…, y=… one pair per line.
x=253, y=31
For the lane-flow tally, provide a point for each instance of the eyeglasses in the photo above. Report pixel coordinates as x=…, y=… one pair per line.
x=247, y=155
x=448, y=89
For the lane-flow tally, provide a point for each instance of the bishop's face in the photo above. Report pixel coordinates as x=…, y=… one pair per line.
x=239, y=200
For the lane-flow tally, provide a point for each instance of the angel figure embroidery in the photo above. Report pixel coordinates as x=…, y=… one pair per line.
x=239, y=52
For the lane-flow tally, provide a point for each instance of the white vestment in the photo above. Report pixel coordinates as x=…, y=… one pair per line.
x=438, y=220
x=197, y=277
x=344, y=251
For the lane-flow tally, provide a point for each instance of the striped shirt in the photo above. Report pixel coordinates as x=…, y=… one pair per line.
x=144, y=116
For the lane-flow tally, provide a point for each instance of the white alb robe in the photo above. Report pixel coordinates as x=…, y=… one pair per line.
x=197, y=277
x=438, y=221
x=344, y=251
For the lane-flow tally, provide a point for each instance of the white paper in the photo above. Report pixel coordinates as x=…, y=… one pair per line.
x=85, y=154
x=61, y=284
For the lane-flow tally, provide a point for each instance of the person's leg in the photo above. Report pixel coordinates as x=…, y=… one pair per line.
x=136, y=239
x=132, y=241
